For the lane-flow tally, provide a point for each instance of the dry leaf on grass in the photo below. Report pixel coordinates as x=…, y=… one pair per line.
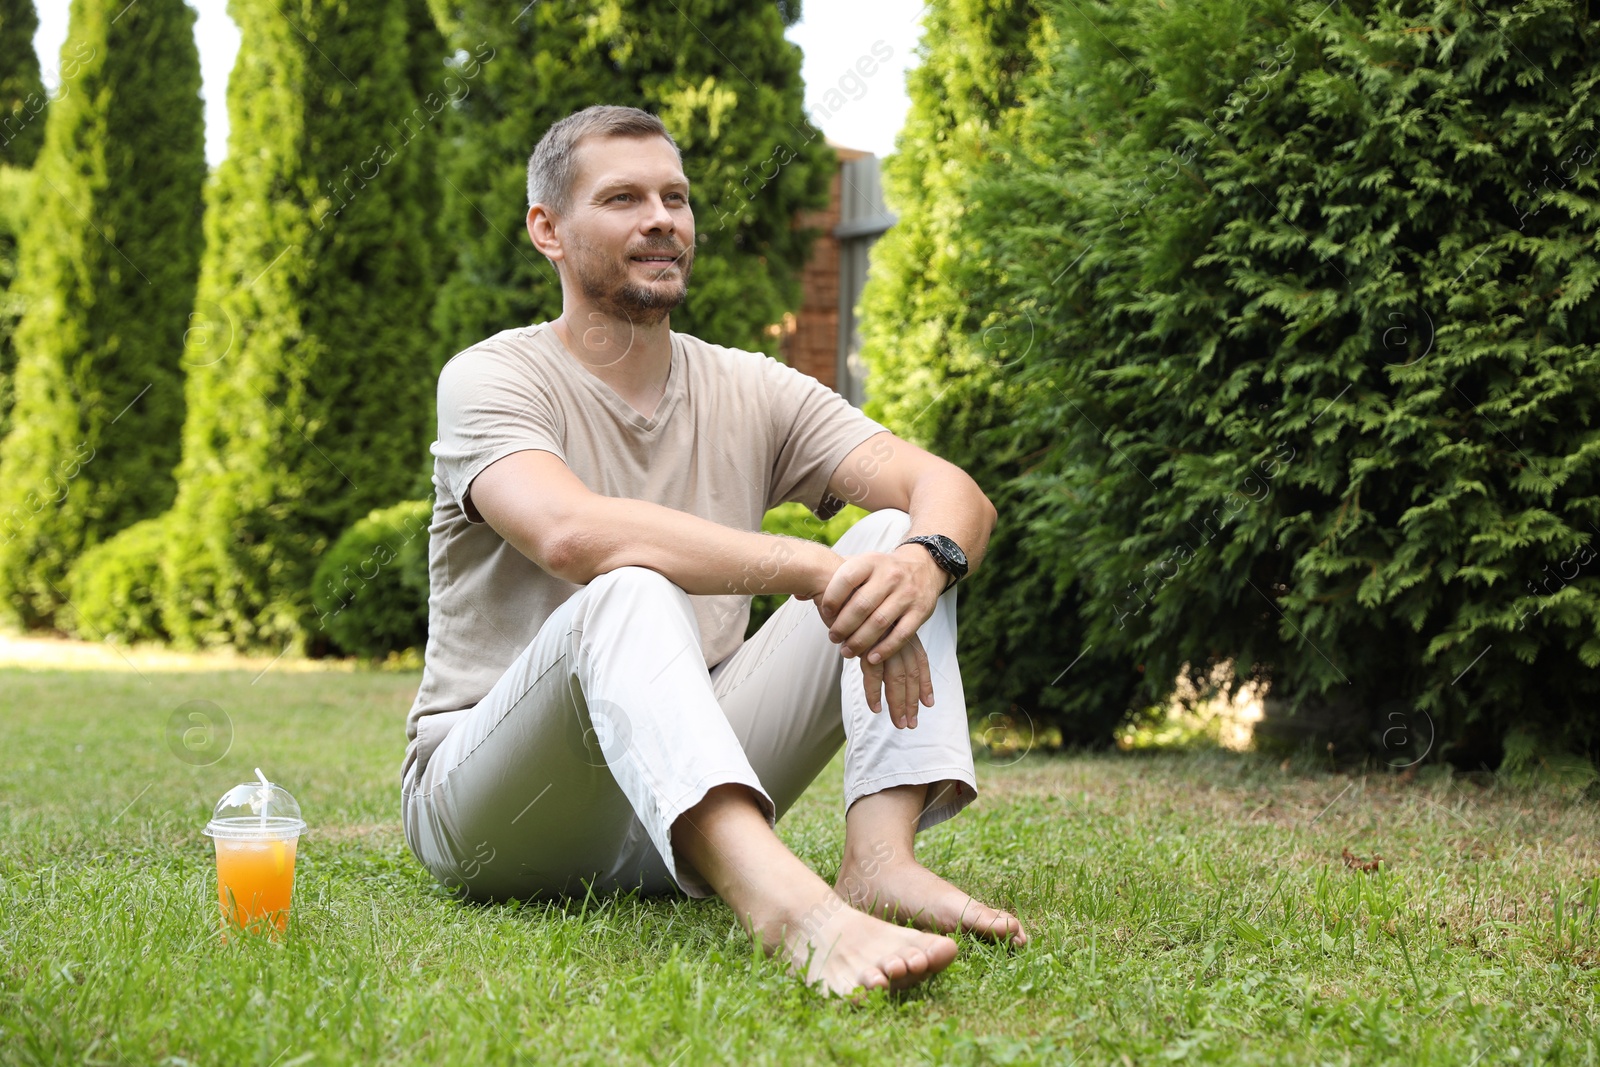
x=1355, y=862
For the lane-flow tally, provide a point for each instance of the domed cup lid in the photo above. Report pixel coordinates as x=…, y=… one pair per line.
x=256, y=809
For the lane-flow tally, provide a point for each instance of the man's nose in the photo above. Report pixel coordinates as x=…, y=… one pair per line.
x=659, y=217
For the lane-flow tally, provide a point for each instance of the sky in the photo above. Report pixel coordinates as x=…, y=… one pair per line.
x=856, y=52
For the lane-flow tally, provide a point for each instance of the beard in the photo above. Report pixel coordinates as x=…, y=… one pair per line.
x=610, y=286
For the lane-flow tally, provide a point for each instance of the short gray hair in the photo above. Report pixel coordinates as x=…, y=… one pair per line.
x=554, y=164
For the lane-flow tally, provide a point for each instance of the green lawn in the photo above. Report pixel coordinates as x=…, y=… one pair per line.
x=1181, y=906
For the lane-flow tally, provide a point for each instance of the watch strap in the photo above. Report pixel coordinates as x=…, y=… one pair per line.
x=938, y=558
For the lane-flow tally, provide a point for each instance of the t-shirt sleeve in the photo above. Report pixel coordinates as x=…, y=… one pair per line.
x=814, y=429
x=489, y=407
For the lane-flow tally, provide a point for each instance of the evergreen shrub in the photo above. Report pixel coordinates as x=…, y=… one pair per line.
x=938, y=359
x=23, y=100
x=112, y=586
x=310, y=365
x=370, y=590
x=16, y=188
x=106, y=272
x=1312, y=385
x=23, y=106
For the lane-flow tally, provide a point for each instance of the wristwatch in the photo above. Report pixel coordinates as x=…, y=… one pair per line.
x=945, y=552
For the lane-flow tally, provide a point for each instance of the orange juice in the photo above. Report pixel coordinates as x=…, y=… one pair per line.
x=255, y=877
x=256, y=827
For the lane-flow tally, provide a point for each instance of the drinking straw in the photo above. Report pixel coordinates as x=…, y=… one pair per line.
x=266, y=796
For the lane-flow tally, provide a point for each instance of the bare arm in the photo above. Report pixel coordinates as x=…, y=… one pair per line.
x=697, y=554
x=545, y=511
x=887, y=472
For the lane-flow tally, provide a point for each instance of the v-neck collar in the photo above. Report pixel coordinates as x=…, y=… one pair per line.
x=608, y=396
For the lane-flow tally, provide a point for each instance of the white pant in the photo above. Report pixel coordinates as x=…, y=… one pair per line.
x=606, y=728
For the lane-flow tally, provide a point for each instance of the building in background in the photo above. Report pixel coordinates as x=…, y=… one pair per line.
x=822, y=340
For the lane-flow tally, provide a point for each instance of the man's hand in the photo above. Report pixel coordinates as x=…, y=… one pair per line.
x=873, y=605
x=908, y=680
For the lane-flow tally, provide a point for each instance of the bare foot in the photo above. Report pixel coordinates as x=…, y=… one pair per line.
x=843, y=951
x=783, y=903
x=906, y=891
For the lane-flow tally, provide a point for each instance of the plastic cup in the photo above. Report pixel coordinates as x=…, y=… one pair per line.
x=256, y=828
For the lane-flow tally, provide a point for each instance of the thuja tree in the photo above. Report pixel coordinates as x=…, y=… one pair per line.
x=724, y=81
x=309, y=381
x=16, y=188
x=1314, y=289
x=918, y=326
x=23, y=104
x=938, y=364
x=107, y=264
x=23, y=101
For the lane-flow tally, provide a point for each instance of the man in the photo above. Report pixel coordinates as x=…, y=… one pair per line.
x=589, y=712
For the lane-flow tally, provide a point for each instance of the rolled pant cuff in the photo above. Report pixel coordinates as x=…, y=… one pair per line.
x=687, y=879
x=932, y=816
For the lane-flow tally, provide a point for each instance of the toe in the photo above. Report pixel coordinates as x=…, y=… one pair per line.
x=874, y=978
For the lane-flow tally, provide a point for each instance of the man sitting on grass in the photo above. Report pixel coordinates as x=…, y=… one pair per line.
x=590, y=713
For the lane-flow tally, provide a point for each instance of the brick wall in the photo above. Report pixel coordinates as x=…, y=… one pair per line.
x=810, y=341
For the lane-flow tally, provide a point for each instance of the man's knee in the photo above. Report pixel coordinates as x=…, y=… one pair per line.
x=640, y=603
x=877, y=531
x=640, y=580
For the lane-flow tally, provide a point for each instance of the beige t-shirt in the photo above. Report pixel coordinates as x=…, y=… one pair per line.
x=735, y=433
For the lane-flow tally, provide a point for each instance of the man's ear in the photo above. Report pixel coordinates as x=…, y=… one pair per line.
x=542, y=232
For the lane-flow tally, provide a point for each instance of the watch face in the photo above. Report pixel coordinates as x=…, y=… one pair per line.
x=952, y=551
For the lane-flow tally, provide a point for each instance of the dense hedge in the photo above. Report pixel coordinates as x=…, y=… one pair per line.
x=726, y=84
x=1312, y=384
x=310, y=385
x=936, y=357
x=370, y=590
x=106, y=266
